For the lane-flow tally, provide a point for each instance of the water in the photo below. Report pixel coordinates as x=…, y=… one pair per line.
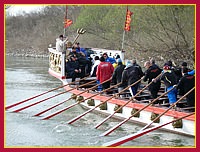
x=26, y=77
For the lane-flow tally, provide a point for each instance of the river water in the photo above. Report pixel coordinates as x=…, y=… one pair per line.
x=26, y=77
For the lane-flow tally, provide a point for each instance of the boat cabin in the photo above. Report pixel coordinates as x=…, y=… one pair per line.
x=57, y=60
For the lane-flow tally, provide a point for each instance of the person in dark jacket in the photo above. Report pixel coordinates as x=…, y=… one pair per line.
x=130, y=75
x=117, y=75
x=152, y=72
x=153, y=63
x=73, y=69
x=139, y=67
x=176, y=70
x=186, y=83
x=169, y=78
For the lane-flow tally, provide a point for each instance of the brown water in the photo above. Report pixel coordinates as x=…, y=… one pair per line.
x=26, y=77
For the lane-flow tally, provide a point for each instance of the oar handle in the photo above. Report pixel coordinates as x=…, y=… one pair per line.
x=60, y=111
x=135, y=95
x=151, y=102
x=42, y=112
x=105, y=91
x=126, y=102
x=128, y=87
x=125, y=120
x=78, y=117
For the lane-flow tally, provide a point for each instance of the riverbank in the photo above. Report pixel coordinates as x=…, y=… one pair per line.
x=26, y=53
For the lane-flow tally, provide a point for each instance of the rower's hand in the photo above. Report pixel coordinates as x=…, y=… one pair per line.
x=153, y=80
x=142, y=77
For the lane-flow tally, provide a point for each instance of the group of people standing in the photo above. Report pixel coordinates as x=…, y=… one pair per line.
x=77, y=64
x=178, y=80
x=103, y=69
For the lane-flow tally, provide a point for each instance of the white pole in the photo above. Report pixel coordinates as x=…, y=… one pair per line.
x=123, y=40
x=123, y=52
x=63, y=65
x=64, y=32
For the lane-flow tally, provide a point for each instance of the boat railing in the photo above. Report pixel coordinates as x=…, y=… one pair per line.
x=57, y=62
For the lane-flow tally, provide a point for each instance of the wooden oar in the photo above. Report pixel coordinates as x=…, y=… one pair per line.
x=18, y=103
x=25, y=107
x=130, y=137
x=78, y=117
x=64, y=109
x=141, y=109
x=87, y=90
x=118, y=125
x=130, y=101
x=168, y=109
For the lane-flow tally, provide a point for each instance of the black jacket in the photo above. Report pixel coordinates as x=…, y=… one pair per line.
x=169, y=79
x=117, y=74
x=71, y=66
x=130, y=75
x=151, y=73
x=186, y=83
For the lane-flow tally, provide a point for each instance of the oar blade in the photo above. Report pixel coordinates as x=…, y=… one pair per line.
x=140, y=133
x=60, y=111
x=44, y=111
x=78, y=117
x=18, y=103
x=120, y=141
x=130, y=137
x=99, y=124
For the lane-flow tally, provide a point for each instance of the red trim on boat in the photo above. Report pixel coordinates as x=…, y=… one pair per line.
x=157, y=110
x=58, y=76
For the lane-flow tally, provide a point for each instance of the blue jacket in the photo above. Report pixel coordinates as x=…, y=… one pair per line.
x=111, y=60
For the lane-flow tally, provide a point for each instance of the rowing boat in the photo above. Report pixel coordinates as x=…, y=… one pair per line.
x=92, y=100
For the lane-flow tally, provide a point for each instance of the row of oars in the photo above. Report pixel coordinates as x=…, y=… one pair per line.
x=113, y=143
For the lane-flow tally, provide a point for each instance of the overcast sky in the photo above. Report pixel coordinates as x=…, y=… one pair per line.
x=19, y=9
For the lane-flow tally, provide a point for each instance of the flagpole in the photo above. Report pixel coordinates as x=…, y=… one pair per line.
x=64, y=20
x=123, y=40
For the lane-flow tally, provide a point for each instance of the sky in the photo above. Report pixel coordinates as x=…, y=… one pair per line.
x=19, y=9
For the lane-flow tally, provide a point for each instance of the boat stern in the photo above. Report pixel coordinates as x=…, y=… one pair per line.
x=56, y=63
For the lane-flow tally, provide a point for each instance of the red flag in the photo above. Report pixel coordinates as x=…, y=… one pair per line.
x=128, y=20
x=67, y=23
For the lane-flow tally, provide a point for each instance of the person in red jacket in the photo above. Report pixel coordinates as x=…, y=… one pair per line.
x=104, y=72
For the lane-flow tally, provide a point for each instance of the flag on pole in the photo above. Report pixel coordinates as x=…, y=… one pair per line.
x=127, y=26
x=67, y=23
